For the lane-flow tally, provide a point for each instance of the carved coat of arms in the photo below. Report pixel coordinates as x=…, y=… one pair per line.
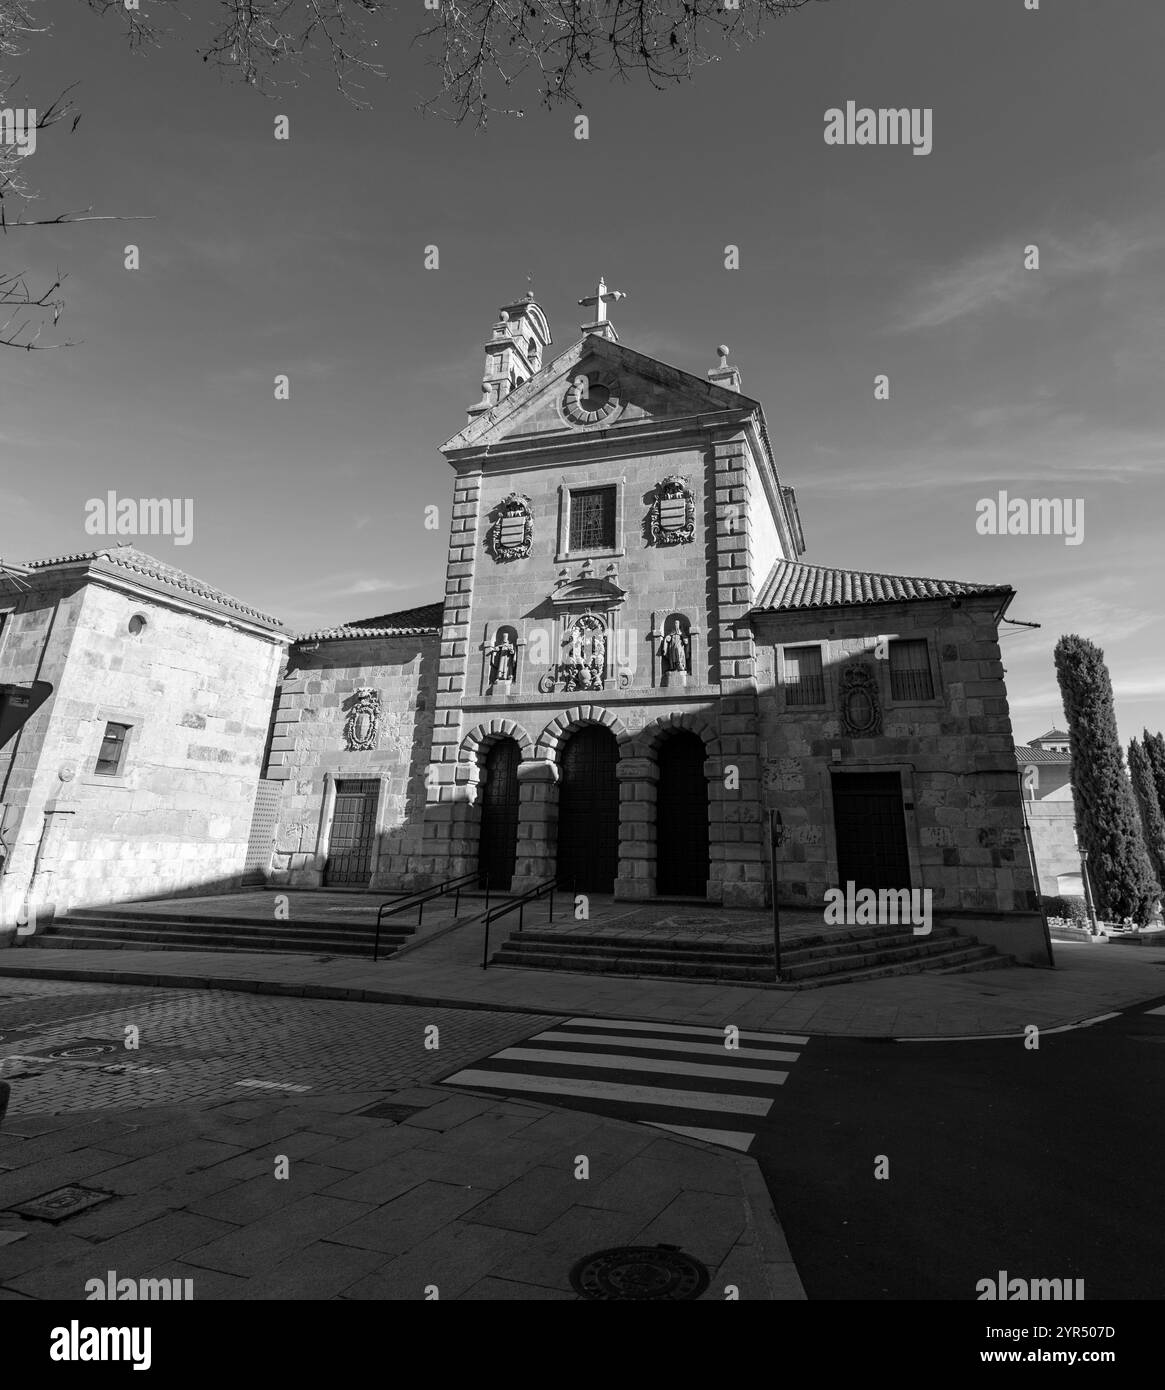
x=673, y=514
x=362, y=725
x=861, y=709
x=512, y=534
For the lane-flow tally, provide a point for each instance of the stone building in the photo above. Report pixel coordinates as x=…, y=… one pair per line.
x=1045, y=766
x=632, y=667
x=630, y=671
x=136, y=707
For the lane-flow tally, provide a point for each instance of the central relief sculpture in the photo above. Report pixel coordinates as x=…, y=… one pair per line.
x=585, y=663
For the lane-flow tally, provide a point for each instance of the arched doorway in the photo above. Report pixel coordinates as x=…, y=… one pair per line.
x=681, y=819
x=498, y=845
x=588, y=812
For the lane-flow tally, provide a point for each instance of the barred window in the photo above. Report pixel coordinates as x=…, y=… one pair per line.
x=910, y=677
x=592, y=519
x=112, y=754
x=804, y=680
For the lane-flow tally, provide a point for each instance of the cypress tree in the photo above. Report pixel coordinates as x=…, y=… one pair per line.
x=1152, y=822
x=1154, y=746
x=1107, y=820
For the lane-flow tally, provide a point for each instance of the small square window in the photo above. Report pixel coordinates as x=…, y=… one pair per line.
x=804, y=677
x=910, y=677
x=592, y=519
x=111, y=756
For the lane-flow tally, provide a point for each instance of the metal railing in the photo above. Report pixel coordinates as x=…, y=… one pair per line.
x=424, y=895
x=540, y=890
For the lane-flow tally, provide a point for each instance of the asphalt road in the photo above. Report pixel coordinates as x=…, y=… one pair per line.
x=1046, y=1163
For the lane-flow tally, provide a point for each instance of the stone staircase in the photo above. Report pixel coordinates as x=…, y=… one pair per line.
x=806, y=962
x=113, y=928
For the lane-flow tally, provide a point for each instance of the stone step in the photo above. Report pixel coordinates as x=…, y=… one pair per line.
x=975, y=958
x=804, y=967
x=214, y=936
x=824, y=948
x=199, y=919
x=78, y=943
x=626, y=965
x=639, y=948
x=878, y=953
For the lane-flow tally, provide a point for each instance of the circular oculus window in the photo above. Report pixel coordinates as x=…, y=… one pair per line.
x=589, y=402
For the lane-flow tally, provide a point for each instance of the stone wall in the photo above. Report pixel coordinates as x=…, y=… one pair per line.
x=964, y=821
x=196, y=695
x=309, y=753
x=34, y=643
x=1053, y=831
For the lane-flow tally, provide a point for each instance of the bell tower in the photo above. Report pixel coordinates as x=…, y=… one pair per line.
x=514, y=353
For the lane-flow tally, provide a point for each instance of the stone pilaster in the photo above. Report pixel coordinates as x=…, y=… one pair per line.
x=739, y=854
x=638, y=779
x=537, y=823
x=450, y=824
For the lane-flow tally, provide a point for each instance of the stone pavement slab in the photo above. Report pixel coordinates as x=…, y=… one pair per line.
x=471, y=1205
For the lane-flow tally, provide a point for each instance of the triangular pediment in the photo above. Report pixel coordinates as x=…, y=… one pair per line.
x=624, y=389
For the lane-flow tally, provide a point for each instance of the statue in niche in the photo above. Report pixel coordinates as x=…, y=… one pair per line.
x=502, y=658
x=676, y=654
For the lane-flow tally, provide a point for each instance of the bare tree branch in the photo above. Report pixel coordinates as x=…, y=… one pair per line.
x=477, y=48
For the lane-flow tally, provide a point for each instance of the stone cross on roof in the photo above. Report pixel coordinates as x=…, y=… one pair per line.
x=602, y=325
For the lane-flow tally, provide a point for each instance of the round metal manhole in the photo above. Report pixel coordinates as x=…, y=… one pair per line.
x=94, y=1050
x=659, y=1272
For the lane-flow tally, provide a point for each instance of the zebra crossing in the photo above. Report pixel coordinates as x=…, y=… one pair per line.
x=670, y=1076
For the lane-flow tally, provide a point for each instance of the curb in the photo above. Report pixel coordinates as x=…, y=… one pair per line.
x=764, y=1227
x=359, y=996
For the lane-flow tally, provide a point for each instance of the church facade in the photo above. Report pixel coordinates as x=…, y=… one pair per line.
x=630, y=669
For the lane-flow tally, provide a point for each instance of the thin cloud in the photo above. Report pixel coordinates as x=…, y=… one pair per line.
x=997, y=276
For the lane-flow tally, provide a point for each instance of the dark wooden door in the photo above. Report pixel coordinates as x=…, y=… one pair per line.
x=498, y=845
x=353, y=827
x=871, y=830
x=681, y=849
x=588, y=812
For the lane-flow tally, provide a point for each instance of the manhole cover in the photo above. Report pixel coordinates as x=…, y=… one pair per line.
x=639, y=1272
x=62, y=1202
x=387, y=1111
x=86, y=1050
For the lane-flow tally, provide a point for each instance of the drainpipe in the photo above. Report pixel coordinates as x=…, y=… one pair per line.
x=1031, y=857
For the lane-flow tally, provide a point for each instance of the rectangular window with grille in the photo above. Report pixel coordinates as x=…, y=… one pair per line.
x=910, y=677
x=592, y=519
x=804, y=678
x=112, y=754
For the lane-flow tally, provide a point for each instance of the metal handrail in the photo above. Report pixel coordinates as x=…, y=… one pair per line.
x=424, y=895
x=540, y=890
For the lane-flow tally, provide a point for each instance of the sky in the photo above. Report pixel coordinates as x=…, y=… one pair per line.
x=305, y=257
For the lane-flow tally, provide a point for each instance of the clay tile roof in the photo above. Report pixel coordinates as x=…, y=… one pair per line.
x=1052, y=736
x=1026, y=753
x=407, y=622
x=157, y=574
x=795, y=585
